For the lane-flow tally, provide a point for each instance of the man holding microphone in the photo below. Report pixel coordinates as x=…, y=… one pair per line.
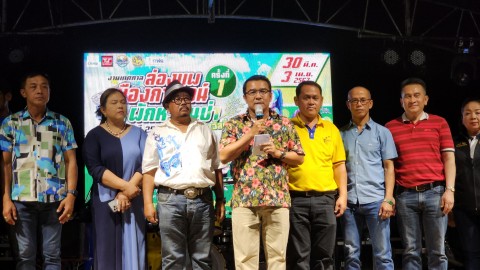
x=260, y=144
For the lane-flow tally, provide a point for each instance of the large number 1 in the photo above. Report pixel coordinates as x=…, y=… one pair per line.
x=221, y=85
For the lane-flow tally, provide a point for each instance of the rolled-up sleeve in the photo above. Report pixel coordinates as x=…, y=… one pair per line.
x=150, y=155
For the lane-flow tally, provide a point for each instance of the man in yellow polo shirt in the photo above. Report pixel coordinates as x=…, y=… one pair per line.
x=314, y=185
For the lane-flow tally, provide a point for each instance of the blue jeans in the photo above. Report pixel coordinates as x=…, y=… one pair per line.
x=313, y=228
x=32, y=216
x=186, y=227
x=354, y=220
x=417, y=210
x=468, y=227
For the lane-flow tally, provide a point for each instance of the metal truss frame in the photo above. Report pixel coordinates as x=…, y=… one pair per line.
x=438, y=23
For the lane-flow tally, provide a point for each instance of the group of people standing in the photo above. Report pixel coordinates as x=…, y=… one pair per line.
x=308, y=175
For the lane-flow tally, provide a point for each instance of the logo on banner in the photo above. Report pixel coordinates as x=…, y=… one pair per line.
x=92, y=61
x=107, y=61
x=153, y=61
x=122, y=60
x=137, y=60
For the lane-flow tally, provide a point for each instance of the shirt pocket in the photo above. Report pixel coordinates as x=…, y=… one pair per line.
x=372, y=146
x=164, y=197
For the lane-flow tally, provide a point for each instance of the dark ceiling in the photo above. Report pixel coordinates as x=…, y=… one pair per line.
x=436, y=23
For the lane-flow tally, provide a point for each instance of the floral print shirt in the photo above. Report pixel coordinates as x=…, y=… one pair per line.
x=261, y=180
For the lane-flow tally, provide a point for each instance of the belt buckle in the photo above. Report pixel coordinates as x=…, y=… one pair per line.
x=191, y=193
x=420, y=188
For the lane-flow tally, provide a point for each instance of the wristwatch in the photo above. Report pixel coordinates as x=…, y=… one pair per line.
x=74, y=192
x=282, y=156
x=389, y=202
x=451, y=188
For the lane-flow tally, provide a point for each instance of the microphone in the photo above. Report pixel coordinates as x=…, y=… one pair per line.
x=259, y=111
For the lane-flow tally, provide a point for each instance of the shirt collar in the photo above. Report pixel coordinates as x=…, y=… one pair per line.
x=168, y=123
x=474, y=137
x=368, y=124
x=424, y=116
x=271, y=115
x=299, y=122
x=26, y=115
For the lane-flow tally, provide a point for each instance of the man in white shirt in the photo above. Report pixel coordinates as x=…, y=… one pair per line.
x=181, y=161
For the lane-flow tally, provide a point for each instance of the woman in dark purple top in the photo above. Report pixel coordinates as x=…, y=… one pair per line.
x=113, y=155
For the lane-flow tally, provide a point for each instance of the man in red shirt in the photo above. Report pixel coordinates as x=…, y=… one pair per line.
x=425, y=177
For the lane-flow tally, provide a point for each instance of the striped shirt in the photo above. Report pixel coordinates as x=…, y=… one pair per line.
x=419, y=148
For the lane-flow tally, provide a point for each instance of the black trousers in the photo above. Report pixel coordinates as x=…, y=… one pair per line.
x=313, y=228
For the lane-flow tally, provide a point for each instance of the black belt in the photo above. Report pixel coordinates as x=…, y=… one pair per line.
x=311, y=193
x=421, y=188
x=190, y=193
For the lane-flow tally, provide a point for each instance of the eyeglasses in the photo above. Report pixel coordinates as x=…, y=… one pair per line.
x=362, y=101
x=179, y=100
x=253, y=93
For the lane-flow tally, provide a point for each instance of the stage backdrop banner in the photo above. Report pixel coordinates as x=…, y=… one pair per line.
x=216, y=77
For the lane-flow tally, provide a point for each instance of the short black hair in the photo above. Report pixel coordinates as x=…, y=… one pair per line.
x=462, y=128
x=413, y=80
x=298, y=90
x=23, y=82
x=256, y=78
x=103, y=102
x=468, y=100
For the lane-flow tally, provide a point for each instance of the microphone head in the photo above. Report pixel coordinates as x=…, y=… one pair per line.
x=259, y=111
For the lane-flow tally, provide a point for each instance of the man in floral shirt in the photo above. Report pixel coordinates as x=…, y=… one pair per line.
x=260, y=198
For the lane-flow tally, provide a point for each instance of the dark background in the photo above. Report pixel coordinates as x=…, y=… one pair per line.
x=355, y=61
x=54, y=34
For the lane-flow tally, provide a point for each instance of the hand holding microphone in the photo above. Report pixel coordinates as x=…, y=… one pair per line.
x=258, y=125
x=259, y=111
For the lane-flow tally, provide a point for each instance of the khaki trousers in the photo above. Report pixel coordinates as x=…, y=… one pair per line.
x=274, y=224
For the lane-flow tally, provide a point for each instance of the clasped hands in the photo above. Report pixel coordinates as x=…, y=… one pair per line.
x=124, y=197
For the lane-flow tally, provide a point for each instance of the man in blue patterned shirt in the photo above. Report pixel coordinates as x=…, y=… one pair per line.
x=40, y=174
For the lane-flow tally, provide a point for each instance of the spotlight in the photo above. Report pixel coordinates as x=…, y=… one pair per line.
x=466, y=46
x=390, y=57
x=18, y=53
x=16, y=56
x=464, y=64
x=417, y=57
x=464, y=69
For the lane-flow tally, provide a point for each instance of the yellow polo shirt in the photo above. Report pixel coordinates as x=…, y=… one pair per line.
x=321, y=152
